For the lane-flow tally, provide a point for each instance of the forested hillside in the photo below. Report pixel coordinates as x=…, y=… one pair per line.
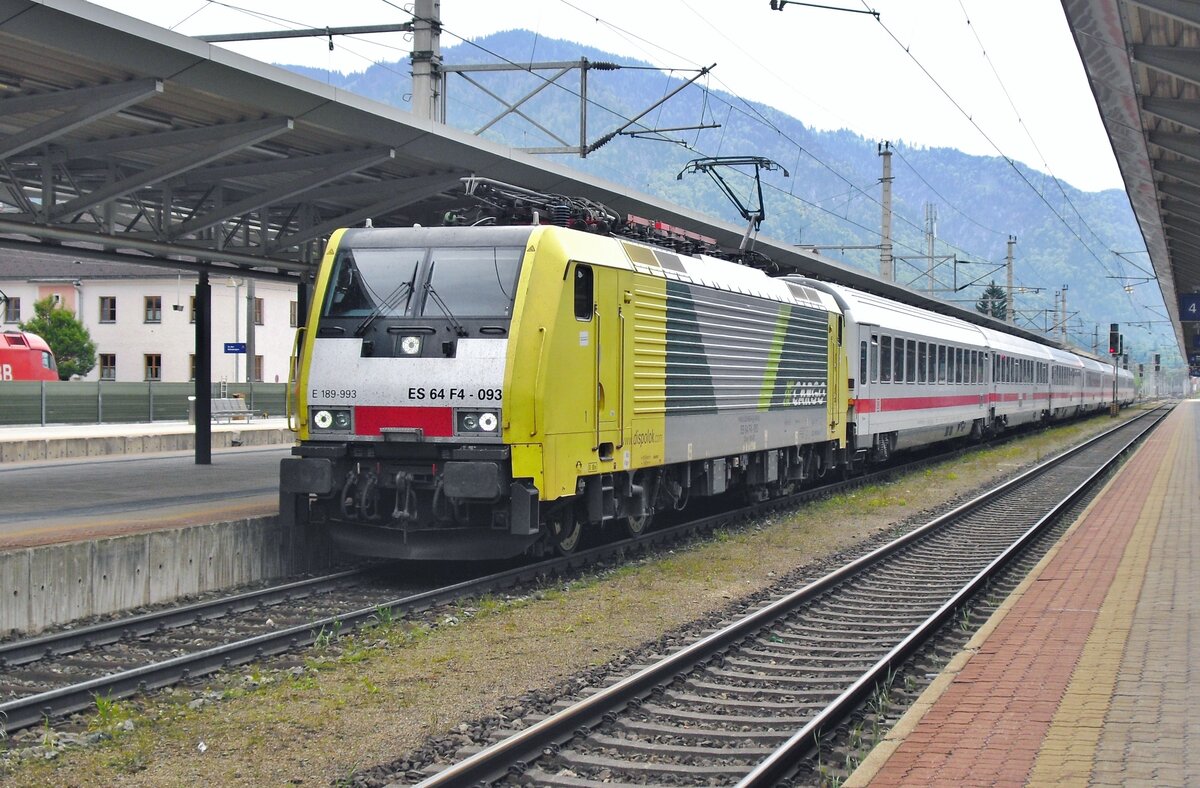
x=832, y=195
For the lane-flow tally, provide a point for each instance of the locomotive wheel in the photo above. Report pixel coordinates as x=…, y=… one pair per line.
x=565, y=531
x=636, y=526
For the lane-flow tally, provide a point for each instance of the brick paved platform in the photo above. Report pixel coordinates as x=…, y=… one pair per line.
x=1084, y=676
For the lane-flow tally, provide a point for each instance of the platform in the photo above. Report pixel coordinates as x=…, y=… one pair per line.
x=67, y=441
x=1087, y=674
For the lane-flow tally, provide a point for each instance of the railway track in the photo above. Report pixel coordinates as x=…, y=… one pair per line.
x=62, y=673
x=746, y=703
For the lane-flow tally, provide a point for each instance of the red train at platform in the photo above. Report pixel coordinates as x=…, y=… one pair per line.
x=26, y=356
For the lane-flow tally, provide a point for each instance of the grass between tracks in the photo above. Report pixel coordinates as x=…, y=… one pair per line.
x=360, y=699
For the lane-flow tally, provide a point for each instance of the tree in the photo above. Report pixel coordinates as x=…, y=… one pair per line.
x=72, y=344
x=993, y=302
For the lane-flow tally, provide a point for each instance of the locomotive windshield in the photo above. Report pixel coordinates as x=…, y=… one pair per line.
x=370, y=283
x=474, y=281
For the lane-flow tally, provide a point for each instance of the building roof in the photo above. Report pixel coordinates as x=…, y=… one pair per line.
x=1143, y=62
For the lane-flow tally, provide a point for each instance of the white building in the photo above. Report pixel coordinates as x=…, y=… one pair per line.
x=142, y=319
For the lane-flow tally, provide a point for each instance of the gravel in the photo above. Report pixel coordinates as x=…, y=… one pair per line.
x=372, y=708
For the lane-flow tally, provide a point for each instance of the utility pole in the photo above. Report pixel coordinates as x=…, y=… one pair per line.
x=1054, y=319
x=427, y=61
x=930, y=236
x=1010, y=314
x=1063, y=324
x=886, y=263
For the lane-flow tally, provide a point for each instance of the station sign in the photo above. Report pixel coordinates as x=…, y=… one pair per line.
x=1189, y=307
x=235, y=347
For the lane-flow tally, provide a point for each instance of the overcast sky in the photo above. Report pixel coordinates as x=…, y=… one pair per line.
x=1028, y=96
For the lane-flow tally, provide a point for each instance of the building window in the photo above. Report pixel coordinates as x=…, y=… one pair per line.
x=258, y=311
x=153, y=309
x=153, y=366
x=191, y=366
x=12, y=310
x=108, y=309
x=192, y=319
x=108, y=366
x=293, y=314
x=258, y=369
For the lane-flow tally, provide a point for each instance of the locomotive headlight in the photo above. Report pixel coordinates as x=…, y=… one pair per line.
x=480, y=422
x=331, y=419
x=410, y=346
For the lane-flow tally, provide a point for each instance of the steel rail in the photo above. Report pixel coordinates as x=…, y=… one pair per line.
x=33, y=709
x=787, y=756
x=493, y=762
x=22, y=652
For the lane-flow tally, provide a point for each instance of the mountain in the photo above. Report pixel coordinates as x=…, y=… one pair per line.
x=832, y=196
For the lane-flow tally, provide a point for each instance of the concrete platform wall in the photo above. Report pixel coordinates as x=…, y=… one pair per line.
x=32, y=449
x=46, y=586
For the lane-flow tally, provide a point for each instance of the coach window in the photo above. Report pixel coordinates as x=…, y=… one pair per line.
x=941, y=363
x=958, y=365
x=875, y=358
x=583, y=292
x=862, y=361
x=922, y=364
x=910, y=363
x=950, y=364
x=885, y=359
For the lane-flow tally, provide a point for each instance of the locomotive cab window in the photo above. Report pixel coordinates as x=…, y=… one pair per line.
x=472, y=281
x=364, y=281
x=584, y=292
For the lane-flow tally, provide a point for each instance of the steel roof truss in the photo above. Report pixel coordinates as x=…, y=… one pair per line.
x=1183, y=10
x=415, y=190
x=291, y=189
x=172, y=167
x=1185, y=145
x=1181, y=111
x=1181, y=191
x=90, y=105
x=294, y=163
x=1186, y=171
x=163, y=139
x=1180, y=62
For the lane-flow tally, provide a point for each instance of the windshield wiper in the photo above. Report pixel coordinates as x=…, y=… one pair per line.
x=437, y=299
x=385, y=306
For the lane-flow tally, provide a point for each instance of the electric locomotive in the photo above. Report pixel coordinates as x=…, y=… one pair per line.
x=26, y=356
x=483, y=391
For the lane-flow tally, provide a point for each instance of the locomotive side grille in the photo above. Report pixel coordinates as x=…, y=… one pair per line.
x=702, y=350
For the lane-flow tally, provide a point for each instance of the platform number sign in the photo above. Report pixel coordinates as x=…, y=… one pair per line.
x=1189, y=307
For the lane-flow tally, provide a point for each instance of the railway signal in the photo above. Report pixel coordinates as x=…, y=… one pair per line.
x=1114, y=339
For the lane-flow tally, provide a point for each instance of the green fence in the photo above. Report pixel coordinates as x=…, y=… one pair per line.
x=79, y=402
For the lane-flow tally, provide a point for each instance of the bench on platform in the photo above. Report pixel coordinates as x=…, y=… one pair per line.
x=231, y=409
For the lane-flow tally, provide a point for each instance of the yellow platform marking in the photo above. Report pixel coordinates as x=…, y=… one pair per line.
x=881, y=752
x=1069, y=749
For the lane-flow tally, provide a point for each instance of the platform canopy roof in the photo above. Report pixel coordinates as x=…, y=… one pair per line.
x=1142, y=58
x=121, y=140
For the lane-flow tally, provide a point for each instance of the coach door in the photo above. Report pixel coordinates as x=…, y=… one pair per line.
x=865, y=388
